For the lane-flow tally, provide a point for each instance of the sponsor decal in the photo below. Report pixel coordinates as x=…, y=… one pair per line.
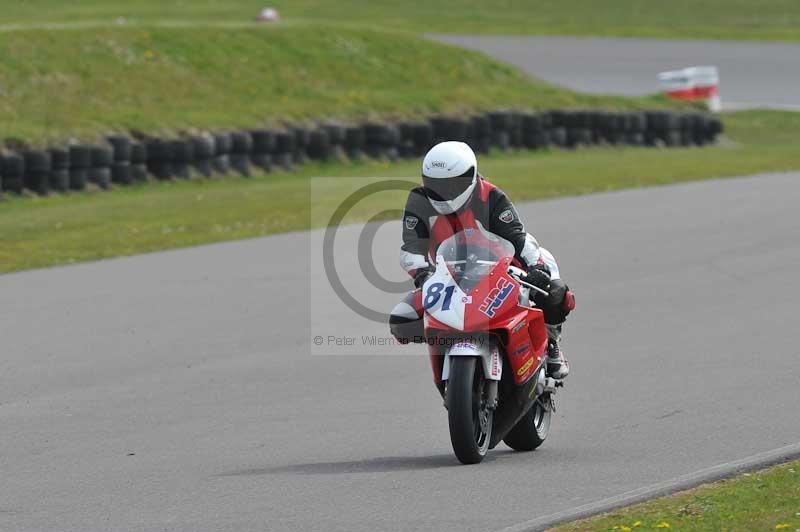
x=496, y=297
x=411, y=222
x=495, y=363
x=521, y=349
x=518, y=326
x=507, y=216
x=441, y=164
x=525, y=367
x=465, y=345
x=466, y=300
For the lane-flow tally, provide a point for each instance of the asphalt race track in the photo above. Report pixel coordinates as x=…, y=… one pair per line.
x=182, y=390
x=752, y=74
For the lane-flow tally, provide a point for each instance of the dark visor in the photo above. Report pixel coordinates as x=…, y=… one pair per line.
x=449, y=188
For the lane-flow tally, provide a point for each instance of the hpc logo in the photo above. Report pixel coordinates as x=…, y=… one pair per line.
x=496, y=297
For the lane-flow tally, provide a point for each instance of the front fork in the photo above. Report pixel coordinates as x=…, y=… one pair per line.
x=491, y=394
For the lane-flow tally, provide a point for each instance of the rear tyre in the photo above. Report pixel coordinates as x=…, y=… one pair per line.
x=469, y=417
x=531, y=431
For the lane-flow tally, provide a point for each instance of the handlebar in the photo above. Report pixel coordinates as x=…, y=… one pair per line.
x=519, y=272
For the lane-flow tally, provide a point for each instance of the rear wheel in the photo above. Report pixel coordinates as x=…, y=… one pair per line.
x=468, y=414
x=531, y=431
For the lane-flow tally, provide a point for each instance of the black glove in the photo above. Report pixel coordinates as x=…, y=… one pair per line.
x=539, y=276
x=421, y=276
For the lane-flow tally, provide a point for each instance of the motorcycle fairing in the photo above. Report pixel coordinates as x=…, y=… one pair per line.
x=492, y=299
x=443, y=299
x=488, y=302
x=523, y=343
x=526, y=343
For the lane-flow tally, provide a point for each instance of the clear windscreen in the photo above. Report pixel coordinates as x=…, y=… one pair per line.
x=471, y=254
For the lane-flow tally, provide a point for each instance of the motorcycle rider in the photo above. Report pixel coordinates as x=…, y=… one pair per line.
x=454, y=196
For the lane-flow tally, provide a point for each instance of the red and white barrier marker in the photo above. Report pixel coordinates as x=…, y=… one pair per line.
x=700, y=83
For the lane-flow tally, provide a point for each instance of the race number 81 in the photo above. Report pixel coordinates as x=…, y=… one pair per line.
x=433, y=294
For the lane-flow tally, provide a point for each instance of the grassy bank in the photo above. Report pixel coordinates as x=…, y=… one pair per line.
x=764, y=500
x=707, y=19
x=58, y=84
x=38, y=232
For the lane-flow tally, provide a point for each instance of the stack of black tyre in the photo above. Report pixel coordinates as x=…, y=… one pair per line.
x=221, y=162
x=285, y=144
x=203, y=148
x=332, y=145
x=302, y=137
x=38, y=166
x=102, y=157
x=382, y=140
x=406, y=147
x=502, y=125
x=138, y=161
x=124, y=160
x=535, y=131
x=241, y=150
x=319, y=144
x=663, y=128
x=59, y=169
x=12, y=172
x=481, y=138
x=182, y=157
x=263, y=148
x=354, y=142
x=121, y=156
x=80, y=159
x=159, y=158
x=449, y=128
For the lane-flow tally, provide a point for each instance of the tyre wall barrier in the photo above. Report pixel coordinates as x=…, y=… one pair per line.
x=59, y=173
x=182, y=157
x=102, y=157
x=127, y=159
x=121, y=147
x=263, y=148
x=38, y=166
x=241, y=150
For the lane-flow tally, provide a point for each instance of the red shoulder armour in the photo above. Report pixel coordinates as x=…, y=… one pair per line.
x=484, y=187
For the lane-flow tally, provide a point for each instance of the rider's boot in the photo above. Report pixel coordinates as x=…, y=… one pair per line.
x=557, y=365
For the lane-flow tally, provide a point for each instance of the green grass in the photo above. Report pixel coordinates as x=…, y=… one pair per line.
x=39, y=232
x=714, y=19
x=764, y=500
x=349, y=60
x=61, y=84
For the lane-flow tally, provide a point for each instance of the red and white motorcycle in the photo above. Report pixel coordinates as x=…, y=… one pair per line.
x=488, y=347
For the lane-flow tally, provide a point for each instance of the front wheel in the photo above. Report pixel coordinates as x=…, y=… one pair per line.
x=531, y=431
x=468, y=413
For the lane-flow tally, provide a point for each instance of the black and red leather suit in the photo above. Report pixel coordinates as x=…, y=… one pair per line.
x=488, y=209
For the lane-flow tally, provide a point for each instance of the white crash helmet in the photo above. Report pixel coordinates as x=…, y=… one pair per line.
x=449, y=175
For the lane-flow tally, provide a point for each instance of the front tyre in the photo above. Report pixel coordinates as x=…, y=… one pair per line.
x=531, y=431
x=468, y=413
